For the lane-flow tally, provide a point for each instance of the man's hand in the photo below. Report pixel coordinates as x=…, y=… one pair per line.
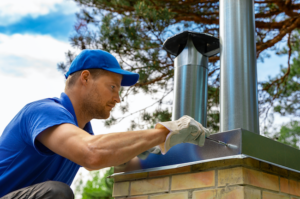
x=183, y=130
x=145, y=154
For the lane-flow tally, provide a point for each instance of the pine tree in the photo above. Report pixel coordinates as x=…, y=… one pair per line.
x=134, y=31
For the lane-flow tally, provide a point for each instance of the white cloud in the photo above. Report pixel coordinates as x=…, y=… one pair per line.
x=17, y=91
x=37, y=47
x=28, y=71
x=11, y=11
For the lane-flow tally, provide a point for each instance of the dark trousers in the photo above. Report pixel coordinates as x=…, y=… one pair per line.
x=45, y=190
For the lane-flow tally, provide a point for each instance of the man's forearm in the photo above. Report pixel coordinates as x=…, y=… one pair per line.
x=99, y=151
x=117, y=148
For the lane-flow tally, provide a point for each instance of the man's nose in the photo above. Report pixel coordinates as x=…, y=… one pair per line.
x=117, y=98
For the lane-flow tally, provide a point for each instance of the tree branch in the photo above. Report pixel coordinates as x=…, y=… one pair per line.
x=283, y=78
x=285, y=30
x=152, y=81
x=158, y=101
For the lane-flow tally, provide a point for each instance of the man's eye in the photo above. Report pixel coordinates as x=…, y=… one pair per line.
x=113, y=87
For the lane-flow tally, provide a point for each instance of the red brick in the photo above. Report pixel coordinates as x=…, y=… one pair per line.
x=284, y=185
x=193, y=180
x=238, y=192
x=121, y=189
x=156, y=185
x=205, y=194
x=294, y=187
x=179, y=195
x=241, y=175
x=261, y=179
x=271, y=195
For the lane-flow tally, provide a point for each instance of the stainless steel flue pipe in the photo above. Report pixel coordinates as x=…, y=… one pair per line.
x=238, y=79
x=191, y=71
x=190, y=84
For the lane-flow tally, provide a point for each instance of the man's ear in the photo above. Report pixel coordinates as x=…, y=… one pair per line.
x=85, y=77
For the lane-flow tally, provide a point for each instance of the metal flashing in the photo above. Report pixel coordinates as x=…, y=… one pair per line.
x=243, y=144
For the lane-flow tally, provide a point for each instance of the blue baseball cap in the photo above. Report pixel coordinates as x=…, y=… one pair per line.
x=93, y=59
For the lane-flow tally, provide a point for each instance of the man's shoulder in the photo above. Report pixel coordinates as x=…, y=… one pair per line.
x=48, y=105
x=50, y=102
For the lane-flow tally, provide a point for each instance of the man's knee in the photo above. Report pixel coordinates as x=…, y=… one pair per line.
x=59, y=190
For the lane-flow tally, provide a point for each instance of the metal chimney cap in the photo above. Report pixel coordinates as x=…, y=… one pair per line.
x=206, y=44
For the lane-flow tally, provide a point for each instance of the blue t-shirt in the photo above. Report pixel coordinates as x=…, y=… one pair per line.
x=24, y=161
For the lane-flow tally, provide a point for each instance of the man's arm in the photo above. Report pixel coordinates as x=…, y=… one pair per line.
x=99, y=151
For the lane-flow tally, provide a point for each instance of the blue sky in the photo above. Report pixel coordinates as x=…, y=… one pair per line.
x=56, y=24
x=47, y=17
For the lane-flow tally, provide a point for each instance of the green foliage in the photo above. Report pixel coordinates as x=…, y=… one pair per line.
x=289, y=134
x=99, y=187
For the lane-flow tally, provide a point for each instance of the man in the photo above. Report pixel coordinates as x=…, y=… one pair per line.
x=45, y=144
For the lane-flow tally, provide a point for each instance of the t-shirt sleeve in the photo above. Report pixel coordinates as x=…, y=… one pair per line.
x=41, y=116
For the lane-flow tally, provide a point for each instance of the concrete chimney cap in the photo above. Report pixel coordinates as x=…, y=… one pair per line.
x=206, y=44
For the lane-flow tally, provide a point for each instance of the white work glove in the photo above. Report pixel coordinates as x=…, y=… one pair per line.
x=154, y=150
x=183, y=130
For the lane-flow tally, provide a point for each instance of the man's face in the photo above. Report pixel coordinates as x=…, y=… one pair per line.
x=103, y=95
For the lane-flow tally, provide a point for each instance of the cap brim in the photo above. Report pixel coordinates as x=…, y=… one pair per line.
x=129, y=78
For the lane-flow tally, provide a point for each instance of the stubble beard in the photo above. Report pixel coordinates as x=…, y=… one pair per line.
x=94, y=107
